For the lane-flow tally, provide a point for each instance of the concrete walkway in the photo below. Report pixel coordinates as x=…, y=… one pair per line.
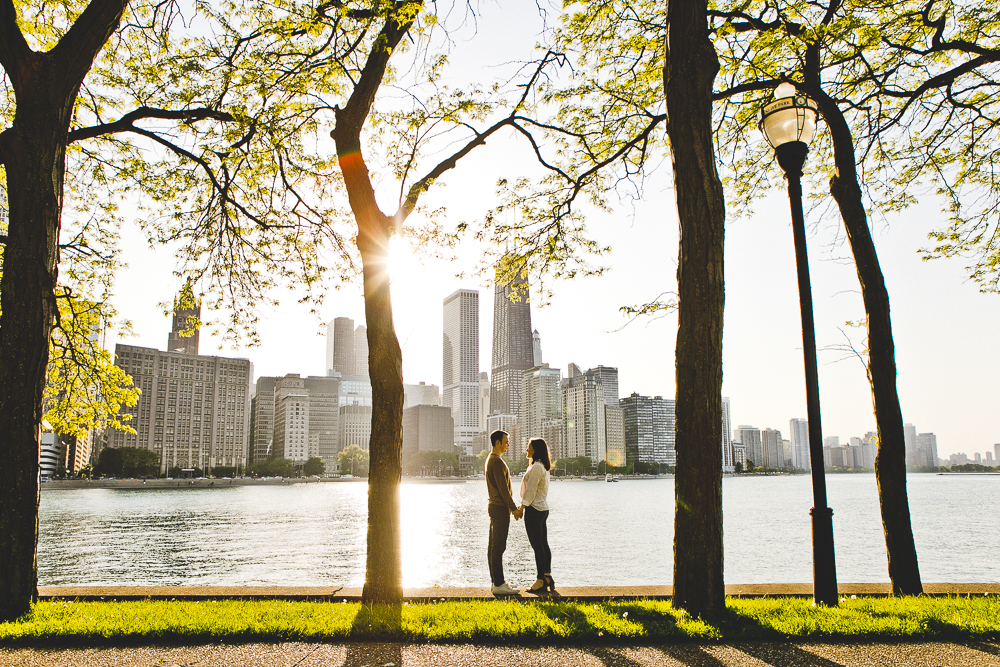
x=744, y=654
x=581, y=593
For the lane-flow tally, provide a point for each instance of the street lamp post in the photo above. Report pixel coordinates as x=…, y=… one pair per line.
x=789, y=123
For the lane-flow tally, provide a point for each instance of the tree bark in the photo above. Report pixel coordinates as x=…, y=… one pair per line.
x=32, y=151
x=688, y=76
x=383, y=570
x=890, y=464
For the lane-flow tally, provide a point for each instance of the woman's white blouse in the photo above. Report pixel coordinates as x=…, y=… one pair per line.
x=535, y=487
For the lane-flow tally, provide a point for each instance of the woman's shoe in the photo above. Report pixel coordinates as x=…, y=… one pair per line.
x=550, y=584
x=538, y=590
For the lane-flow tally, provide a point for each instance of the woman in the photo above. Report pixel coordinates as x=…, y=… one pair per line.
x=534, y=489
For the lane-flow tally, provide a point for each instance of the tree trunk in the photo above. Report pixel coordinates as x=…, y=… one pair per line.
x=383, y=570
x=688, y=75
x=33, y=151
x=383, y=576
x=890, y=464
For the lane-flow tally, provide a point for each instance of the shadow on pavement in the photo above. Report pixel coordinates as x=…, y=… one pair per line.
x=984, y=648
x=377, y=621
x=610, y=658
x=785, y=655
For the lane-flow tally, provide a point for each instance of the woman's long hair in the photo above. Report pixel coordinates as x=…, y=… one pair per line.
x=540, y=452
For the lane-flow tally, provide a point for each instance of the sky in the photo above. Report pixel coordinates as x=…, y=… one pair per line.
x=944, y=328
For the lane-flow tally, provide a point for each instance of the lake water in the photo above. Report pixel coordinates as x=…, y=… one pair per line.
x=610, y=534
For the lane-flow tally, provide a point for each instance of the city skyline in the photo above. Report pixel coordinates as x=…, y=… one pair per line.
x=568, y=340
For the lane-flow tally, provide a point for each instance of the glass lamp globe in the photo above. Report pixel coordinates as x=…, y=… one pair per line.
x=791, y=117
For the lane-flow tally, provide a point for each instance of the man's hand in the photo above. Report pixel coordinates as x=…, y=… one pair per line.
x=518, y=513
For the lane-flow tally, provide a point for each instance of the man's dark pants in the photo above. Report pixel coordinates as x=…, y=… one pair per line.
x=499, y=527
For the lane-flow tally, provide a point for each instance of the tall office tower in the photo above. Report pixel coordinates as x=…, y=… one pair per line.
x=187, y=316
x=649, y=429
x=512, y=345
x=870, y=449
x=428, y=428
x=614, y=435
x=262, y=420
x=536, y=348
x=324, y=417
x=786, y=453
x=996, y=449
x=831, y=441
x=926, y=449
x=978, y=458
x=461, y=365
x=770, y=441
x=541, y=408
x=799, y=435
x=608, y=378
x=340, y=346
x=727, y=437
x=910, y=444
x=291, y=420
x=361, y=351
x=484, y=399
x=354, y=426
x=989, y=459
x=583, y=407
x=421, y=394
x=749, y=437
x=194, y=410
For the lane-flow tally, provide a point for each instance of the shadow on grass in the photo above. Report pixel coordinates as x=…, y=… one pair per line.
x=377, y=636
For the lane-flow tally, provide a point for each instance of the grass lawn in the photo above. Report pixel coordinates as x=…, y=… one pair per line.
x=162, y=622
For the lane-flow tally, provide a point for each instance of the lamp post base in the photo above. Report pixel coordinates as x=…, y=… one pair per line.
x=824, y=565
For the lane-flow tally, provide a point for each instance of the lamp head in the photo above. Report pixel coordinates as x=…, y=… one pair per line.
x=791, y=117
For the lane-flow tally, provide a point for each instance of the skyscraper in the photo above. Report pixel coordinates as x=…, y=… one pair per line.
x=910, y=444
x=183, y=335
x=926, y=446
x=770, y=440
x=460, y=381
x=536, y=348
x=513, y=345
x=608, y=377
x=649, y=429
x=340, y=355
x=583, y=407
x=727, y=437
x=261, y=420
x=749, y=437
x=541, y=408
x=799, y=436
x=361, y=351
x=484, y=399
x=194, y=410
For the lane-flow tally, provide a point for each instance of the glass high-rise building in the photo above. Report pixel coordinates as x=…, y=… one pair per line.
x=513, y=345
x=460, y=381
x=799, y=435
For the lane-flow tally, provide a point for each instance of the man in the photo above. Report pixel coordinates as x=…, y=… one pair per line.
x=500, y=507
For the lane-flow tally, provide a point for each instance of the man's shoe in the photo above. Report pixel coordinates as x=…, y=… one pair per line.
x=504, y=590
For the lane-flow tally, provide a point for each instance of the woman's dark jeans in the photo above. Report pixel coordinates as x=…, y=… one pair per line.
x=538, y=536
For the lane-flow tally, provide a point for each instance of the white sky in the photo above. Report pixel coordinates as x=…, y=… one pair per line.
x=944, y=329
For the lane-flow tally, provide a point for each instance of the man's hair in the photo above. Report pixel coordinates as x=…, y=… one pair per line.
x=496, y=437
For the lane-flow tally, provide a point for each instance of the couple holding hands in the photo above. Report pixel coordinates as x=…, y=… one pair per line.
x=533, y=508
